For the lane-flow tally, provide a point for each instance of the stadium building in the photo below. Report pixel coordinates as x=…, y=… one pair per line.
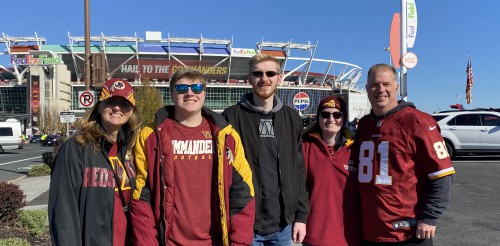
x=43, y=76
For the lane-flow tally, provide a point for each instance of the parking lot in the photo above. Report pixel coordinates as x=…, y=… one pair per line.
x=473, y=216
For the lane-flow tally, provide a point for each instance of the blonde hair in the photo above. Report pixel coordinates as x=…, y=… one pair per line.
x=262, y=58
x=188, y=73
x=92, y=132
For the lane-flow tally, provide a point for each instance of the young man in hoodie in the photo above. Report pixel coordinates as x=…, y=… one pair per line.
x=404, y=169
x=194, y=185
x=271, y=135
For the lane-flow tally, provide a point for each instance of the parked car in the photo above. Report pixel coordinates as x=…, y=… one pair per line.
x=470, y=131
x=10, y=135
x=50, y=140
x=35, y=138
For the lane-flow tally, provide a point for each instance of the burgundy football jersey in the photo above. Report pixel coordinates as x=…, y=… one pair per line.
x=398, y=154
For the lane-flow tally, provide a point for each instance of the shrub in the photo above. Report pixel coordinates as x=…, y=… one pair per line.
x=35, y=221
x=48, y=158
x=39, y=170
x=11, y=200
x=14, y=242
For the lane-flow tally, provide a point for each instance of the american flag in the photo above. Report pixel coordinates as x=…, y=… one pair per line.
x=470, y=82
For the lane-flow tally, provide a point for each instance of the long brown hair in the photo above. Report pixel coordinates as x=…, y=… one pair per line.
x=91, y=130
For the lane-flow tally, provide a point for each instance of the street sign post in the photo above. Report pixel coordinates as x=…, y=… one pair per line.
x=67, y=117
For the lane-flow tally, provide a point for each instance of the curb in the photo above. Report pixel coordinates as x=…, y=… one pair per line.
x=16, y=179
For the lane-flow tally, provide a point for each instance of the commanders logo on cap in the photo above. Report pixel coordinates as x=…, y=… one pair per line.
x=329, y=104
x=117, y=88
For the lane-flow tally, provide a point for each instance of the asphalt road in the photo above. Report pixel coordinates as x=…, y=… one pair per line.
x=16, y=163
x=472, y=218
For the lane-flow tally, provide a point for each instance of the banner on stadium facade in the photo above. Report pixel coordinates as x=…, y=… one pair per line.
x=411, y=23
x=163, y=69
x=42, y=59
x=243, y=52
x=35, y=94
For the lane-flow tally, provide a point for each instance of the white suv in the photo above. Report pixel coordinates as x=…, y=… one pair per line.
x=470, y=131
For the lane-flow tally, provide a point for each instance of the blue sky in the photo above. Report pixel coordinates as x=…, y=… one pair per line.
x=353, y=31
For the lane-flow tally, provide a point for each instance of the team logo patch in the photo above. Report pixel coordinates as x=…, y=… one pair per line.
x=207, y=134
x=329, y=104
x=119, y=85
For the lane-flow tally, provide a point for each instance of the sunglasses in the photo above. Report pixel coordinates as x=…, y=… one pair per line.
x=117, y=102
x=195, y=88
x=269, y=74
x=326, y=115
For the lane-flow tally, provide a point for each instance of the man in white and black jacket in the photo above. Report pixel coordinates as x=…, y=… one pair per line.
x=271, y=136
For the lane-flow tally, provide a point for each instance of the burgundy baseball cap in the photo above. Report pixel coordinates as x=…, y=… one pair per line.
x=117, y=88
x=332, y=102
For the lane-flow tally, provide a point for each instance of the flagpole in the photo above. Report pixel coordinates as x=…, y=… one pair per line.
x=470, y=81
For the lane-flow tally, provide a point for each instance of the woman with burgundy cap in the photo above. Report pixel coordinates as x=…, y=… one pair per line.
x=94, y=173
x=331, y=178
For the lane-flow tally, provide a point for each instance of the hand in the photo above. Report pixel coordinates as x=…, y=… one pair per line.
x=299, y=232
x=425, y=231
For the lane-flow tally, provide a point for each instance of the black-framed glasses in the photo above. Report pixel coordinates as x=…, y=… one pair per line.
x=326, y=115
x=195, y=88
x=122, y=103
x=269, y=74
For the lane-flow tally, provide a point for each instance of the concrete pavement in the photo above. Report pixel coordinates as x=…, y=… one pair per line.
x=36, y=191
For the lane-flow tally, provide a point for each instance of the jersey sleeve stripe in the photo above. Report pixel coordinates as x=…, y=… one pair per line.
x=441, y=173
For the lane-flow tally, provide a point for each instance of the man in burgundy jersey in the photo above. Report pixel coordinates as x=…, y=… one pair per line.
x=404, y=169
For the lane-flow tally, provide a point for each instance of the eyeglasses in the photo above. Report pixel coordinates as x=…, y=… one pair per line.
x=326, y=115
x=195, y=88
x=123, y=104
x=269, y=74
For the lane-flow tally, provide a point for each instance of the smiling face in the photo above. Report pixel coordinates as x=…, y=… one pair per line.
x=330, y=124
x=115, y=112
x=382, y=91
x=188, y=103
x=264, y=86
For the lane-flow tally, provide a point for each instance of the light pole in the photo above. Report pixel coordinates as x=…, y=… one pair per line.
x=87, y=44
x=388, y=49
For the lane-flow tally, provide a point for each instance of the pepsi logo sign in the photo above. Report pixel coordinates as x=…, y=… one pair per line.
x=301, y=101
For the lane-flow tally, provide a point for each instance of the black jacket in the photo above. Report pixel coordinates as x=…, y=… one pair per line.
x=82, y=193
x=245, y=117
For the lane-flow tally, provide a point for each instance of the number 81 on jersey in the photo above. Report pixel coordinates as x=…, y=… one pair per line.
x=367, y=155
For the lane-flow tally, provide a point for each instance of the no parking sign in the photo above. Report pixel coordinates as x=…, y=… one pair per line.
x=86, y=99
x=301, y=101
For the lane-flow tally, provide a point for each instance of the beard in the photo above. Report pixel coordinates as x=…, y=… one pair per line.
x=265, y=93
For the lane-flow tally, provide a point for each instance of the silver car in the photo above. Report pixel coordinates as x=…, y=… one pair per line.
x=470, y=131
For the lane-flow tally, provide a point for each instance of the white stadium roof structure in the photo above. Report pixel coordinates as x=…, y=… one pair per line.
x=155, y=58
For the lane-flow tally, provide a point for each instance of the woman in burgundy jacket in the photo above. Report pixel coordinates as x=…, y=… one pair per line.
x=331, y=178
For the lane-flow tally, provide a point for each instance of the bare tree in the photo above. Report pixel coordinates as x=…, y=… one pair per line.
x=49, y=119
